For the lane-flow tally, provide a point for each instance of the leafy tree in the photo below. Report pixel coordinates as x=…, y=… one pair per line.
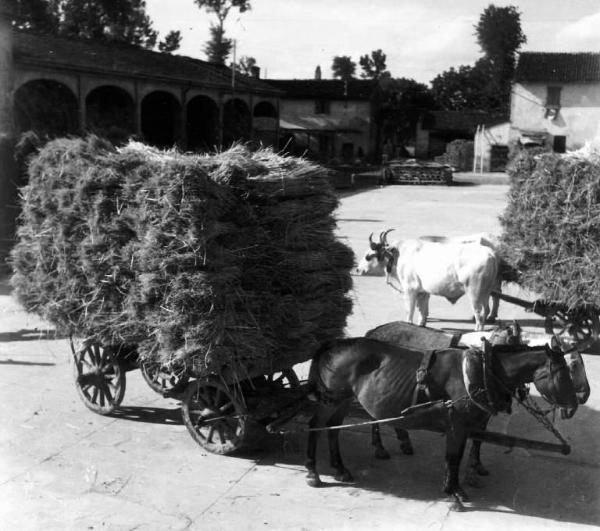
x=35, y=15
x=218, y=48
x=499, y=35
x=486, y=84
x=122, y=21
x=397, y=104
x=171, y=42
x=374, y=65
x=343, y=67
x=246, y=65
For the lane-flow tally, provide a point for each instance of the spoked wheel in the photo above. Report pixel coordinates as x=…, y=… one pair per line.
x=99, y=378
x=161, y=379
x=286, y=379
x=214, y=417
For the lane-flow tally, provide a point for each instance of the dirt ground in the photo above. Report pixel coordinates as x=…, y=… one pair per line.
x=64, y=468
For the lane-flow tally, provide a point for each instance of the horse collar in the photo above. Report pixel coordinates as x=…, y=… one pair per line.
x=477, y=371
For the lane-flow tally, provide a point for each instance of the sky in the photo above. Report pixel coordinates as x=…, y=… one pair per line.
x=421, y=38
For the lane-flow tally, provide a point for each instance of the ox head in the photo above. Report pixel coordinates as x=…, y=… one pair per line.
x=377, y=257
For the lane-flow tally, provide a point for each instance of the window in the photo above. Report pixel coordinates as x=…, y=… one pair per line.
x=553, y=97
x=322, y=107
x=559, y=144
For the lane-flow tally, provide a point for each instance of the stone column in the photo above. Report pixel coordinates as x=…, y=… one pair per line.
x=8, y=170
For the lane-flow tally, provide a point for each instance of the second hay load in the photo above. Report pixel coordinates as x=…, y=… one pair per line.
x=223, y=264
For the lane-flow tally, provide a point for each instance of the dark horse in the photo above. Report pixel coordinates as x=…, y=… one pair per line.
x=382, y=378
x=507, y=335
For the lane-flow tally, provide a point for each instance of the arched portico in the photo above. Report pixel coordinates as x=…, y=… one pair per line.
x=45, y=106
x=237, y=121
x=110, y=111
x=161, y=119
x=202, y=123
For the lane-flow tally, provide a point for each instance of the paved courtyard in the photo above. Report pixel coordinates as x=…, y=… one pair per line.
x=64, y=468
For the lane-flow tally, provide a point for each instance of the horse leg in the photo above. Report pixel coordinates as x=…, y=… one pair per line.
x=380, y=451
x=341, y=472
x=423, y=306
x=455, y=446
x=405, y=444
x=321, y=416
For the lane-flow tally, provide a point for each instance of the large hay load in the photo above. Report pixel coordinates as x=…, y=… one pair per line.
x=222, y=264
x=552, y=225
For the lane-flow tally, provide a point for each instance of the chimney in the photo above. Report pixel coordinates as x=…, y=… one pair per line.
x=255, y=72
x=318, y=72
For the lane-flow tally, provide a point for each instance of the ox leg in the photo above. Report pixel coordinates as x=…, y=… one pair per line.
x=410, y=306
x=380, y=451
x=423, y=307
x=455, y=446
x=479, y=311
x=495, y=305
x=341, y=472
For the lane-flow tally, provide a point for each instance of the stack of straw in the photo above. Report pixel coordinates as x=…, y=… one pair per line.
x=552, y=225
x=225, y=263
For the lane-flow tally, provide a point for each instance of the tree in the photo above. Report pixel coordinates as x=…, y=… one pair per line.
x=122, y=21
x=396, y=105
x=218, y=48
x=486, y=84
x=171, y=42
x=374, y=65
x=499, y=35
x=343, y=67
x=36, y=15
x=246, y=65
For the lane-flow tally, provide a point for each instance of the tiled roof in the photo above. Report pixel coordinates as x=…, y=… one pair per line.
x=558, y=67
x=126, y=60
x=331, y=89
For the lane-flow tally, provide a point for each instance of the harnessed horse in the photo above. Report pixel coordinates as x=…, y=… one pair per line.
x=382, y=378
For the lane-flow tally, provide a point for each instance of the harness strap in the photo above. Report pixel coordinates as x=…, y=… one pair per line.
x=422, y=376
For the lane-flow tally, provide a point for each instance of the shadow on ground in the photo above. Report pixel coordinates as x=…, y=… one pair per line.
x=528, y=483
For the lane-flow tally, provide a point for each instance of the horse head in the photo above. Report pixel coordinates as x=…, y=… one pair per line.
x=554, y=382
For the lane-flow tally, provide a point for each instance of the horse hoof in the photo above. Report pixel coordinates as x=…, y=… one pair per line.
x=344, y=477
x=407, y=449
x=382, y=453
x=313, y=481
x=457, y=507
x=461, y=496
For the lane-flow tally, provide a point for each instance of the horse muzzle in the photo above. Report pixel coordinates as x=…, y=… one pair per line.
x=567, y=412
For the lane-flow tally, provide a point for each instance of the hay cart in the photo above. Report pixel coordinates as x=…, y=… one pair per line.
x=580, y=322
x=218, y=410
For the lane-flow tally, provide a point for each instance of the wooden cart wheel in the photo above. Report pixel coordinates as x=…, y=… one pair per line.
x=99, y=378
x=160, y=379
x=284, y=379
x=214, y=417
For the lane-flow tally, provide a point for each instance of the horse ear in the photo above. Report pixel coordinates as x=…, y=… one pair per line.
x=554, y=343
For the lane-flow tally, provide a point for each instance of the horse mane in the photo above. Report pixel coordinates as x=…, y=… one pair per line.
x=501, y=349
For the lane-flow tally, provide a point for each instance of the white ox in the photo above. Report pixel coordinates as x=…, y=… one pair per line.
x=420, y=268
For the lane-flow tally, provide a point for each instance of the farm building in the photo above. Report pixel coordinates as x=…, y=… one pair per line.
x=556, y=100
x=329, y=119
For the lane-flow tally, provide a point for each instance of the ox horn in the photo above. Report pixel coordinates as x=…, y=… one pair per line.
x=383, y=236
x=372, y=244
